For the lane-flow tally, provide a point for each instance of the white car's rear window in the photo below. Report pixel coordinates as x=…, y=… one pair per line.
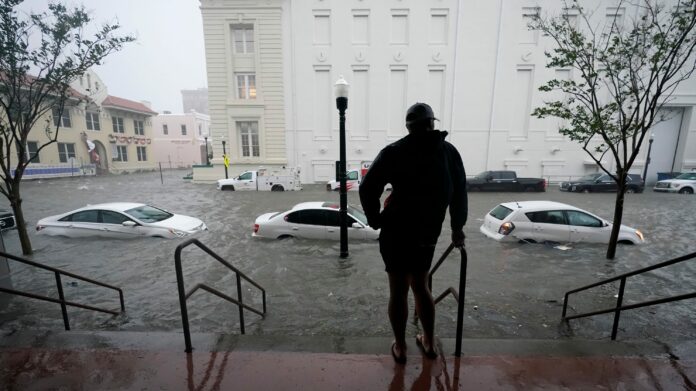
x=500, y=212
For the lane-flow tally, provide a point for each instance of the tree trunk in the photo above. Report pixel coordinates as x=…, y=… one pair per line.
x=618, y=215
x=16, y=203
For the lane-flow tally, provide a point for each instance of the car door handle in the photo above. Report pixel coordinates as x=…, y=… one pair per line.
x=332, y=230
x=295, y=228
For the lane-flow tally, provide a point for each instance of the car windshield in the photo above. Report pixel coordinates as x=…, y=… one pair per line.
x=687, y=175
x=148, y=214
x=357, y=214
x=482, y=175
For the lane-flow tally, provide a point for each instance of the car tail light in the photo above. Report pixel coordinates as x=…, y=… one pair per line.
x=546, y=183
x=506, y=228
x=256, y=228
x=39, y=228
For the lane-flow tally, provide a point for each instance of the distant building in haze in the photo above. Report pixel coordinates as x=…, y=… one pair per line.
x=179, y=139
x=195, y=100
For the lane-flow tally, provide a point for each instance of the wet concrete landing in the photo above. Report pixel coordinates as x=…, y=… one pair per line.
x=106, y=369
x=145, y=361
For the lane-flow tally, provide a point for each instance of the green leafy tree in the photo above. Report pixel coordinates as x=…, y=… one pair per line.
x=40, y=54
x=625, y=72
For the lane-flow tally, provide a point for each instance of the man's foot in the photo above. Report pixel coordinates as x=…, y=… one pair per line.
x=428, y=349
x=398, y=354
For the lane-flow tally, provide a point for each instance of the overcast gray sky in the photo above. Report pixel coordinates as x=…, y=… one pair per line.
x=167, y=57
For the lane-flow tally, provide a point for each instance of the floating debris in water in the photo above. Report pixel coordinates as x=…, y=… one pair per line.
x=563, y=247
x=83, y=187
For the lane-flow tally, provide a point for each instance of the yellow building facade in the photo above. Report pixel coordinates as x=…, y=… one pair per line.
x=105, y=134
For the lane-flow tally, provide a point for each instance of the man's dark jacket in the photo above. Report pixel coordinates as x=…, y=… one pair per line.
x=427, y=174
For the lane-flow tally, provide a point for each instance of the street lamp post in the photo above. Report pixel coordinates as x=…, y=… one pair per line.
x=647, y=160
x=207, y=158
x=224, y=156
x=341, y=90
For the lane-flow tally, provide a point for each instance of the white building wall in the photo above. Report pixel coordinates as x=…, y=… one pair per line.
x=474, y=61
x=393, y=53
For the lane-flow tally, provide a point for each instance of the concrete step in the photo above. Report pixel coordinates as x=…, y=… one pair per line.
x=212, y=342
x=156, y=360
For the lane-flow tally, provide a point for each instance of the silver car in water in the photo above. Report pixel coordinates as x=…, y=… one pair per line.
x=119, y=220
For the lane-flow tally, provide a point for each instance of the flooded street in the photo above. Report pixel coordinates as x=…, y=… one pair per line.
x=513, y=291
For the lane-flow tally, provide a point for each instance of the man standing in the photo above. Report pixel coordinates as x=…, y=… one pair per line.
x=427, y=175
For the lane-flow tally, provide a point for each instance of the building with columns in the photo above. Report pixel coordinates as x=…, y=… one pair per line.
x=272, y=65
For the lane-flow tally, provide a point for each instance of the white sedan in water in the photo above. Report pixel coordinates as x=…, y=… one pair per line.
x=542, y=221
x=120, y=220
x=313, y=220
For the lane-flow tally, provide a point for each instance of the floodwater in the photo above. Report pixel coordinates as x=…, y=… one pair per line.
x=514, y=290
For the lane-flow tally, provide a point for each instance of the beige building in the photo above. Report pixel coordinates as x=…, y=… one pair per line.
x=106, y=134
x=244, y=56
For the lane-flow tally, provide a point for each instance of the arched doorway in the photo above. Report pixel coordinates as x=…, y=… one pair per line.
x=103, y=163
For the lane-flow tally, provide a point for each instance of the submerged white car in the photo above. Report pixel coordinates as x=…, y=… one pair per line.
x=120, y=220
x=542, y=221
x=682, y=184
x=313, y=220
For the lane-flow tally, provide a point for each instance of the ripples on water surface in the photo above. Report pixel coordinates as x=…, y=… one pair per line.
x=517, y=289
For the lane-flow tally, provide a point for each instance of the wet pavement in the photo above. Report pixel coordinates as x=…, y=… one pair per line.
x=514, y=290
x=138, y=370
x=131, y=360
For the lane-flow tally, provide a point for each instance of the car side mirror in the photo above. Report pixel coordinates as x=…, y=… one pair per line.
x=356, y=225
x=489, y=178
x=129, y=223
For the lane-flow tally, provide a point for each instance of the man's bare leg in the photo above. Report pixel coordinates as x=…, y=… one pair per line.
x=425, y=307
x=398, y=309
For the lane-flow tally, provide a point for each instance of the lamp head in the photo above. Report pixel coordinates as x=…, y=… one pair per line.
x=652, y=136
x=341, y=87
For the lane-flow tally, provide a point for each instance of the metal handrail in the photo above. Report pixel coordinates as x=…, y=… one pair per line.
x=622, y=286
x=451, y=291
x=183, y=295
x=61, y=297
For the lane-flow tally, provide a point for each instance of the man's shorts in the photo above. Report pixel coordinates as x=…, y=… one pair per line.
x=401, y=257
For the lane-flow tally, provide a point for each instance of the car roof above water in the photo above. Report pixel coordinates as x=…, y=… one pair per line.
x=531, y=206
x=316, y=205
x=115, y=206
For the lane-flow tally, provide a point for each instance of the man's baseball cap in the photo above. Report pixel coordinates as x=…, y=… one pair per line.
x=419, y=112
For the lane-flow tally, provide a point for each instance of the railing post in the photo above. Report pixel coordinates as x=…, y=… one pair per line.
x=617, y=313
x=565, y=306
x=120, y=298
x=182, y=299
x=239, y=298
x=61, y=296
x=263, y=293
x=460, y=302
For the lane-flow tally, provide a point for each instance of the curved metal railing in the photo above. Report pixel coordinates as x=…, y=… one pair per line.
x=59, y=284
x=622, y=286
x=183, y=295
x=455, y=293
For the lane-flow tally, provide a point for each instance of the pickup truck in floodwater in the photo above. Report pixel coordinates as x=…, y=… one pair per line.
x=504, y=181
